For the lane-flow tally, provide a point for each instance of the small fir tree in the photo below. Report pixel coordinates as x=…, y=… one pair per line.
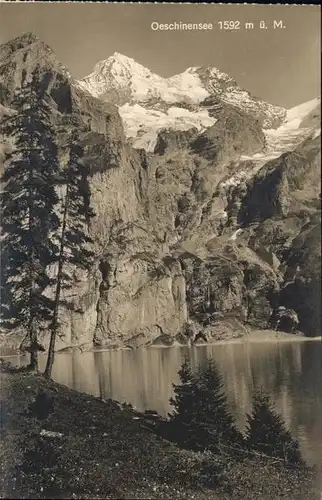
x=266, y=432
x=182, y=419
x=201, y=419
x=216, y=425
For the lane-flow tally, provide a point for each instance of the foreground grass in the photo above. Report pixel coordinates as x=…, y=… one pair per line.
x=107, y=452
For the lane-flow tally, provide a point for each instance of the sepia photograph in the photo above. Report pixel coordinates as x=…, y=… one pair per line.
x=160, y=235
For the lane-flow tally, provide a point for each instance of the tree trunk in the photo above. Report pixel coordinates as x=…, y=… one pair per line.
x=33, y=341
x=32, y=324
x=54, y=324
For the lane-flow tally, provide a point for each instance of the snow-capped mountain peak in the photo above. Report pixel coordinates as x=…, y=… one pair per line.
x=119, y=63
x=149, y=102
x=118, y=73
x=135, y=83
x=124, y=74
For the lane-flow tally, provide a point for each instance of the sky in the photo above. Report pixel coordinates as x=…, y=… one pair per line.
x=281, y=66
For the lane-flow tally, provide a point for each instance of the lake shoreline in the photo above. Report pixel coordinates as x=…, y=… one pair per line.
x=8, y=350
x=254, y=336
x=103, y=450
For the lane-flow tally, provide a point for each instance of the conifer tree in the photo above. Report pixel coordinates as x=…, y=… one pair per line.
x=181, y=424
x=201, y=419
x=73, y=239
x=215, y=423
x=266, y=432
x=28, y=215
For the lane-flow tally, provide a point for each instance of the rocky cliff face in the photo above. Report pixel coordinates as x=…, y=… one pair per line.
x=210, y=233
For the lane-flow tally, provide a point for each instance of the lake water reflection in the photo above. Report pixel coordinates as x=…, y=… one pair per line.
x=290, y=371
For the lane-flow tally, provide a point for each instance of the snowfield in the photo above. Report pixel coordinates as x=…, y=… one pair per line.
x=148, y=102
x=296, y=115
x=125, y=74
x=285, y=138
x=142, y=125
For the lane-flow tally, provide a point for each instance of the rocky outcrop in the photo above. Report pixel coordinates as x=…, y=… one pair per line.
x=173, y=140
x=27, y=55
x=280, y=214
x=139, y=301
x=302, y=283
x=268, y=116
x=285, y=320
x=289, y=184
x=234, y=134
x=180, y=254
x=235, y=284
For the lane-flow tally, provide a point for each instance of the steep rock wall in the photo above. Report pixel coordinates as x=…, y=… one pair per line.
x=169, y=251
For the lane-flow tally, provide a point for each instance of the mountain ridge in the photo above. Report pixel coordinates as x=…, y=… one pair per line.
x=184, y=238
x=147, y=101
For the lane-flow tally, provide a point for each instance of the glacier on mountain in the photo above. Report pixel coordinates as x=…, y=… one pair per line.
x=292, y=132
x=142, y=125
x=148, y=102
x=126, y=75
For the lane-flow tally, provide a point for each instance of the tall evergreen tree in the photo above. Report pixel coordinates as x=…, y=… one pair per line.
x=74, y=239
x=28, y=215
x=266, y=432
x=201, y=419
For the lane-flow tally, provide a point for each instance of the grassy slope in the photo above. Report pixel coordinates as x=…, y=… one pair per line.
x=106, y=453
